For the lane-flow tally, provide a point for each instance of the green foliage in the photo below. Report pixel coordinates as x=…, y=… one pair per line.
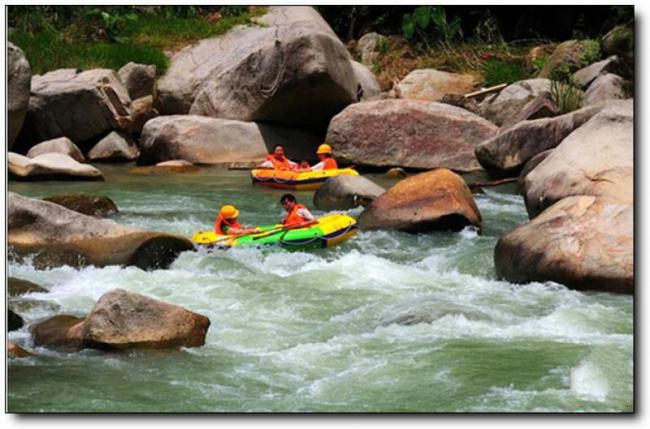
x=566, y=96
x=538, y=64
x=562, y=73
x=590, y=52
x=84, y=37
x=497, y=71
x=427, y=19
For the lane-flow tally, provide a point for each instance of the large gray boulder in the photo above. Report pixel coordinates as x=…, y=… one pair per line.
x=19, y=77
x=115, y=147
x=57, y=235
x=604, y=88
x=368, y=86
x=508, y=103
x=539, y=107
x=582, y=242
x=50, y=166
x=78, y=105
x=139, y=79
x=408, y=133
x=346, y=192
x=586, y=75
x=435, y=200
x=292, y=70
x=506, y=153
x=61, y=145
x=596, y=159
x=225, y=142
x=433, y=85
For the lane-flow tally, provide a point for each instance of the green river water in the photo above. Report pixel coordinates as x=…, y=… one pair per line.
x=386, y=322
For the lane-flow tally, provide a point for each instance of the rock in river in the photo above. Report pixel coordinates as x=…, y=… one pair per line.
x=58, y=236
x=346, y=192
x=91, y=205
x=59, y=145
x=435, y=200
x=115, y=147
x=50, y=166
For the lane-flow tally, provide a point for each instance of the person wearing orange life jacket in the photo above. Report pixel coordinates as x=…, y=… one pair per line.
x=278, y=161
x=298, y=216
x=227, y=224
x=327, y=161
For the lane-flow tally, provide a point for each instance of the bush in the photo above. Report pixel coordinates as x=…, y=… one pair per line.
x=497, y=71
x=566, y=96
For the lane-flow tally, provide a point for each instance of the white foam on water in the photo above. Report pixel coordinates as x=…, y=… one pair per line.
x=589, y=382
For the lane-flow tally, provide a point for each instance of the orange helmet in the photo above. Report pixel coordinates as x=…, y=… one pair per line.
x=229, y=212
x=324, y=148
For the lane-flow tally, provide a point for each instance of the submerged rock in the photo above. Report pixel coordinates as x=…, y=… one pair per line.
x=15, y=351
x=346, y=192
x=435, y=200
x=14, y=321
x=63, y=237
x=91, y=205
x=61, y=145
x=582, y=242
x=125, y=320
x=408, y=133
x=596, y=159
x=203, y=140
x=292, y=70
x=173, y=166
x=50, y=166
x=506, y=153
x=19, y=76
x=21, y=287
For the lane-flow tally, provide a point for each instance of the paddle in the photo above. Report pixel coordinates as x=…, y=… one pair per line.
x=286, y=228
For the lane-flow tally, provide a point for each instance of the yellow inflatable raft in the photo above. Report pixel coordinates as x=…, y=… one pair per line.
x=298, y=180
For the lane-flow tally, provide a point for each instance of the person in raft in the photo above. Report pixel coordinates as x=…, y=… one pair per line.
x=227, y=224
x=298, y=216
x=327, y=161
x=278, y=161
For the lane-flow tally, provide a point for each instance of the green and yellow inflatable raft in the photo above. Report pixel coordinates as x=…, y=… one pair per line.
x=298, y=180
x=329, y=231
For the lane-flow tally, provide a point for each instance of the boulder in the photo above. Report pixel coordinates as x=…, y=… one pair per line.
x=570, y=56
x=40, y=227
x=461, y=101
x=115, y=147
x=582, y=242
x=21, y=287
x=78, y=105
x=91, y=205
x=142, y=111
x=499, y=108
x=173, y=166
x=606, y=87
x=50, y=166
x=346, y=192
x=60, y=145
x=61, y=331
x=369, y=46
x=586, y=75
x=19, y=77
x=396, y=173
x=291, y=70
x=505, y=154
x=530, y=166
x=596, y=159
x=139, y=79
x=435, y=200
x=124, y=320
x=15, y=351
x=367, y=82
x=433, y=85
x=408, y=133
x=14, y=321
x=225, y=142
x=619, y=41
x=539, y=107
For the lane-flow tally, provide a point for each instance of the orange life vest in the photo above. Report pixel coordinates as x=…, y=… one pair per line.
x=330, y=164
x=293, y=217
x=282, y=164
x=220, y=223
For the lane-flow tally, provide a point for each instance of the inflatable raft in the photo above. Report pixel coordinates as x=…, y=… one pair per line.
x=329, y=231
x=298, y=180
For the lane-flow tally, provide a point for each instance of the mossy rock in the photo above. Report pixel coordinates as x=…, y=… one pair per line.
x=569, y=57
x=21, y=287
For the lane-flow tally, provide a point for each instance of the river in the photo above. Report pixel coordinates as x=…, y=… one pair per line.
x=387, y=321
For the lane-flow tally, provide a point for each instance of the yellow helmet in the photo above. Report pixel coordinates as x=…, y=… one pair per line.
x=229, y=212
x=324, y=148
